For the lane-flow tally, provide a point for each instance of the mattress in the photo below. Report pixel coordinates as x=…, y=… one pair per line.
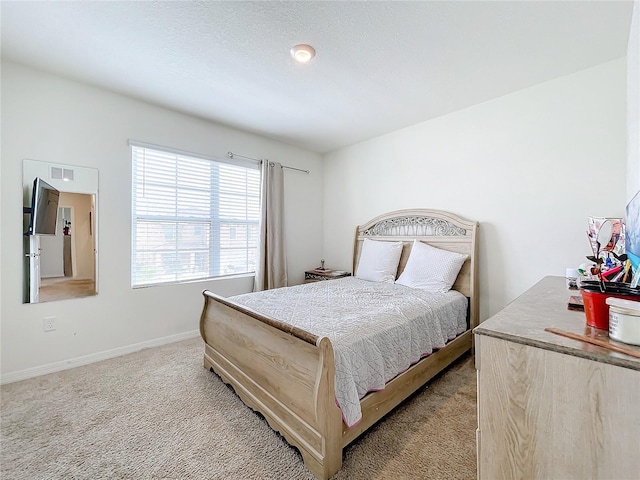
x=378, y=330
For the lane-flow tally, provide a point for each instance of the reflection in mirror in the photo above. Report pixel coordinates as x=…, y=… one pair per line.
x=61, y=258
x=67, y=267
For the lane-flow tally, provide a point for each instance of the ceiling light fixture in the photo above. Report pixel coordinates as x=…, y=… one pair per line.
x=303, y=53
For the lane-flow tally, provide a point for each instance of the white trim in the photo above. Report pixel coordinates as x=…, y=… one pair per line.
x=94, y=357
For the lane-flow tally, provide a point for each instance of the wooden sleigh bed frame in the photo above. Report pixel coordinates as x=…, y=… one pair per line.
x=287, y=374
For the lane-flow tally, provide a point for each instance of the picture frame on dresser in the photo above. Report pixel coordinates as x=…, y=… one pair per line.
x=632, y=224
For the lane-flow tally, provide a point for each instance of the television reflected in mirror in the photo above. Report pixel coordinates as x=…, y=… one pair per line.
x=43, y=213
x=60, y=240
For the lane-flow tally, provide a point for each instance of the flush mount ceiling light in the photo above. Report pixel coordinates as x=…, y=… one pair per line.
x=303, y=53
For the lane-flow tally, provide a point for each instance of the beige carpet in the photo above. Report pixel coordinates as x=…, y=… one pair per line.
x=158, y=414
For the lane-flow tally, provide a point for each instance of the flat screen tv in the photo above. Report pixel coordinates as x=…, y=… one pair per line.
x=44, y=209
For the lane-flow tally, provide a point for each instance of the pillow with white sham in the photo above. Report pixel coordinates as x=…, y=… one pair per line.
x=379, y=261
x=430, y=268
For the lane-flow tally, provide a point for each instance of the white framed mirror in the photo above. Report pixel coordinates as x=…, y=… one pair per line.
x=60, y=225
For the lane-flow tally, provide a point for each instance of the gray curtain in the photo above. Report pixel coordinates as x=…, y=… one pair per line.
x=271, y=267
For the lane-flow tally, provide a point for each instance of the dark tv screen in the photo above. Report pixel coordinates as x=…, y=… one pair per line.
x=44, y=208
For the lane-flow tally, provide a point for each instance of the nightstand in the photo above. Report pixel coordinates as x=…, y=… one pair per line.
x=317, y=275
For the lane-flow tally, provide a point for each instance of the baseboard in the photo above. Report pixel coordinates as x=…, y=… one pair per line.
x=94, y=357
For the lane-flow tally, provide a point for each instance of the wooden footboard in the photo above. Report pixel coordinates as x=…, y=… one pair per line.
x=283, y=372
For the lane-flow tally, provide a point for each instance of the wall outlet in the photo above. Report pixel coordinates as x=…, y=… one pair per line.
x=49, y=324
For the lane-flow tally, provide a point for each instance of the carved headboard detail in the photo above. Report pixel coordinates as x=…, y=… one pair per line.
x=414, y=226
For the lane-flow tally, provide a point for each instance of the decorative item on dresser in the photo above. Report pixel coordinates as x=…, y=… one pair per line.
x=551, y=406
x=290, y=375
x=317, y=275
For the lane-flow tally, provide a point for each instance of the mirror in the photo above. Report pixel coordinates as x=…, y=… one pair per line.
x=604, y=234
x=60, y=242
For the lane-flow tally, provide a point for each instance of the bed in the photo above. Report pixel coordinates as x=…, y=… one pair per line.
x=289, y=374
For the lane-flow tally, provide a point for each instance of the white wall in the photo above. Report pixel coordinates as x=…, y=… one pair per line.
x=51, y=253
x=529, y=166
x=633, y=104
x=49, y=118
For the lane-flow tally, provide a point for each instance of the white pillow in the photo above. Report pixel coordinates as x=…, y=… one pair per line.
x=379, y=261
x=430, y=268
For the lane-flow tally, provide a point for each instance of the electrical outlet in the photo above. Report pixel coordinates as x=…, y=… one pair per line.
x=49, y=324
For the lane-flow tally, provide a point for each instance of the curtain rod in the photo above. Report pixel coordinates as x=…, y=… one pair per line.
x=231, y=155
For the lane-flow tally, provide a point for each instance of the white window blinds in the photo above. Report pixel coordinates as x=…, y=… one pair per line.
x=193, y=218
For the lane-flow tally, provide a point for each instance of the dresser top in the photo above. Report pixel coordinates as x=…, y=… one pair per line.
x=545, y=305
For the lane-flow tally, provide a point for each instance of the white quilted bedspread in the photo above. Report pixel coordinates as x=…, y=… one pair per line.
x=378, y=330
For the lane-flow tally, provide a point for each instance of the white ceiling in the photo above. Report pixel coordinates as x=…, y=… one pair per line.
x=380, y=65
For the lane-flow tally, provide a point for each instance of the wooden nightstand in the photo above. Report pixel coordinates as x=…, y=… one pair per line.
x=316, y=275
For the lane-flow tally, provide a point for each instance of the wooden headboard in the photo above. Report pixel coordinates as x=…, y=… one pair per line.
x=437, y=228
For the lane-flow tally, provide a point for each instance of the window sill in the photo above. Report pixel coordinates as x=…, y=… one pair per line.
x=199, y=280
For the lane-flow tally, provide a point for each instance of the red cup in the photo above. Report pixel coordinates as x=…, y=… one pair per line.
x=597, y=310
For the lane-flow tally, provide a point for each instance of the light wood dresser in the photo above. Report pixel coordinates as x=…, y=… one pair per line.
x=550, y=407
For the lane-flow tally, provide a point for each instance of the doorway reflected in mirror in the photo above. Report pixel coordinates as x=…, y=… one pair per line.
x=67, y=267
x=61, y=264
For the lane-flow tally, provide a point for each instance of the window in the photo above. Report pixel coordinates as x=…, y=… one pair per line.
x=192, y=218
